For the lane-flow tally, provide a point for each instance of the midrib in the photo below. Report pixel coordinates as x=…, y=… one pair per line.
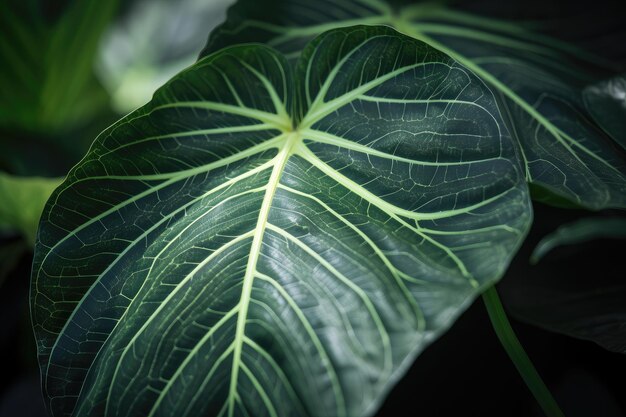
x=281, y=158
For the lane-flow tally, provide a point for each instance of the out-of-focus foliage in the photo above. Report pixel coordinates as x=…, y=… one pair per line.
x=580, y=231
x=46, y=80
x=556, y=296
x=606, y=101
x=23, y=199
x=151, y=43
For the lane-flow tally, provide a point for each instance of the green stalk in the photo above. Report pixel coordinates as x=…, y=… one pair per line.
x=516, y=352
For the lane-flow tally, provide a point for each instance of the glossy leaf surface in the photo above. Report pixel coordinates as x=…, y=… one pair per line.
x=536, y=80
x=264, y=240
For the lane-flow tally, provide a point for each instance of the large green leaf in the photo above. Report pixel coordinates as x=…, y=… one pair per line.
x=268, y=240
x=536, y=80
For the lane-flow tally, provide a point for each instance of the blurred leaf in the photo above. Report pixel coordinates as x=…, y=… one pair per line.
x=23, y=200
x=580, y=231
x=606, y=101
x=152, y=42
x=46, y=80
x=577, y=289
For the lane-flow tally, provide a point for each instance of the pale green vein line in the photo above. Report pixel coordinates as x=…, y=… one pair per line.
x=279, y=372
x=290, y=32
x=129, y=247
x=384, y=336
x=494, y=39
x=319, y=109
x=504, y=227
x=279, y=106
x=179, y=370
x=559, y=135
x=190, y=409
x=259, y=388
x=276, y=120
x=255, y=251
x=428, y=101
x=198, y=132
x=171, y=295
x=139, y=196
x=421, y=323
x=394, y=211
x=330, y=139
x=178, y=175
x=334, y=379
x=379, y=202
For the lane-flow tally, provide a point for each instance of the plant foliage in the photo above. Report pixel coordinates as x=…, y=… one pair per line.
x=274, y=239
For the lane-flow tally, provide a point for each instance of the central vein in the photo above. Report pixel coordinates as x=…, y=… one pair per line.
x=255, y=250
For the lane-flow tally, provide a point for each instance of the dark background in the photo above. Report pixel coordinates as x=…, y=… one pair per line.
x=465, y=372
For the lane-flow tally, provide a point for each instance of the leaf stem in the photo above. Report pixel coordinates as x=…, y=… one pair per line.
x=516, y=352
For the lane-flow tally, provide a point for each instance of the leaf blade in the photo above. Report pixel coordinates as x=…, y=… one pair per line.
x=295, y=265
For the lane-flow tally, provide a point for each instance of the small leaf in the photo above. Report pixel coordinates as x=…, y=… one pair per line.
x=277, y=241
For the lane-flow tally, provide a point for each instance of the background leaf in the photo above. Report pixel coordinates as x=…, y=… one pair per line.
x=576, y=289
x=606, y=102
x=50, y=85
x=277, y=241
x=150, y=43
x=23, y=200
x=580, y=231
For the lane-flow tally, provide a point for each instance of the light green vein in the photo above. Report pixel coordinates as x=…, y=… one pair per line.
x=320, y=108
x=310, y=157
x=167, y=299
x=279, y=106
x=259, y=388
x=334, y=379
x=559, y=135
x=129, y=247
x=198, y=132
x=151, y=190
x=395, y=212
x=255, y=251
x=330, y=139
x=273, y=119
x=189, y=357
x=384, y=336
x=392, y=269
x=279, y=372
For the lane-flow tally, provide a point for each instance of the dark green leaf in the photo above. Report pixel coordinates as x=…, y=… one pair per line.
x=606, y=101
x=536, y=80
x=578, y=288
x=269, y=241
x=580, y=231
